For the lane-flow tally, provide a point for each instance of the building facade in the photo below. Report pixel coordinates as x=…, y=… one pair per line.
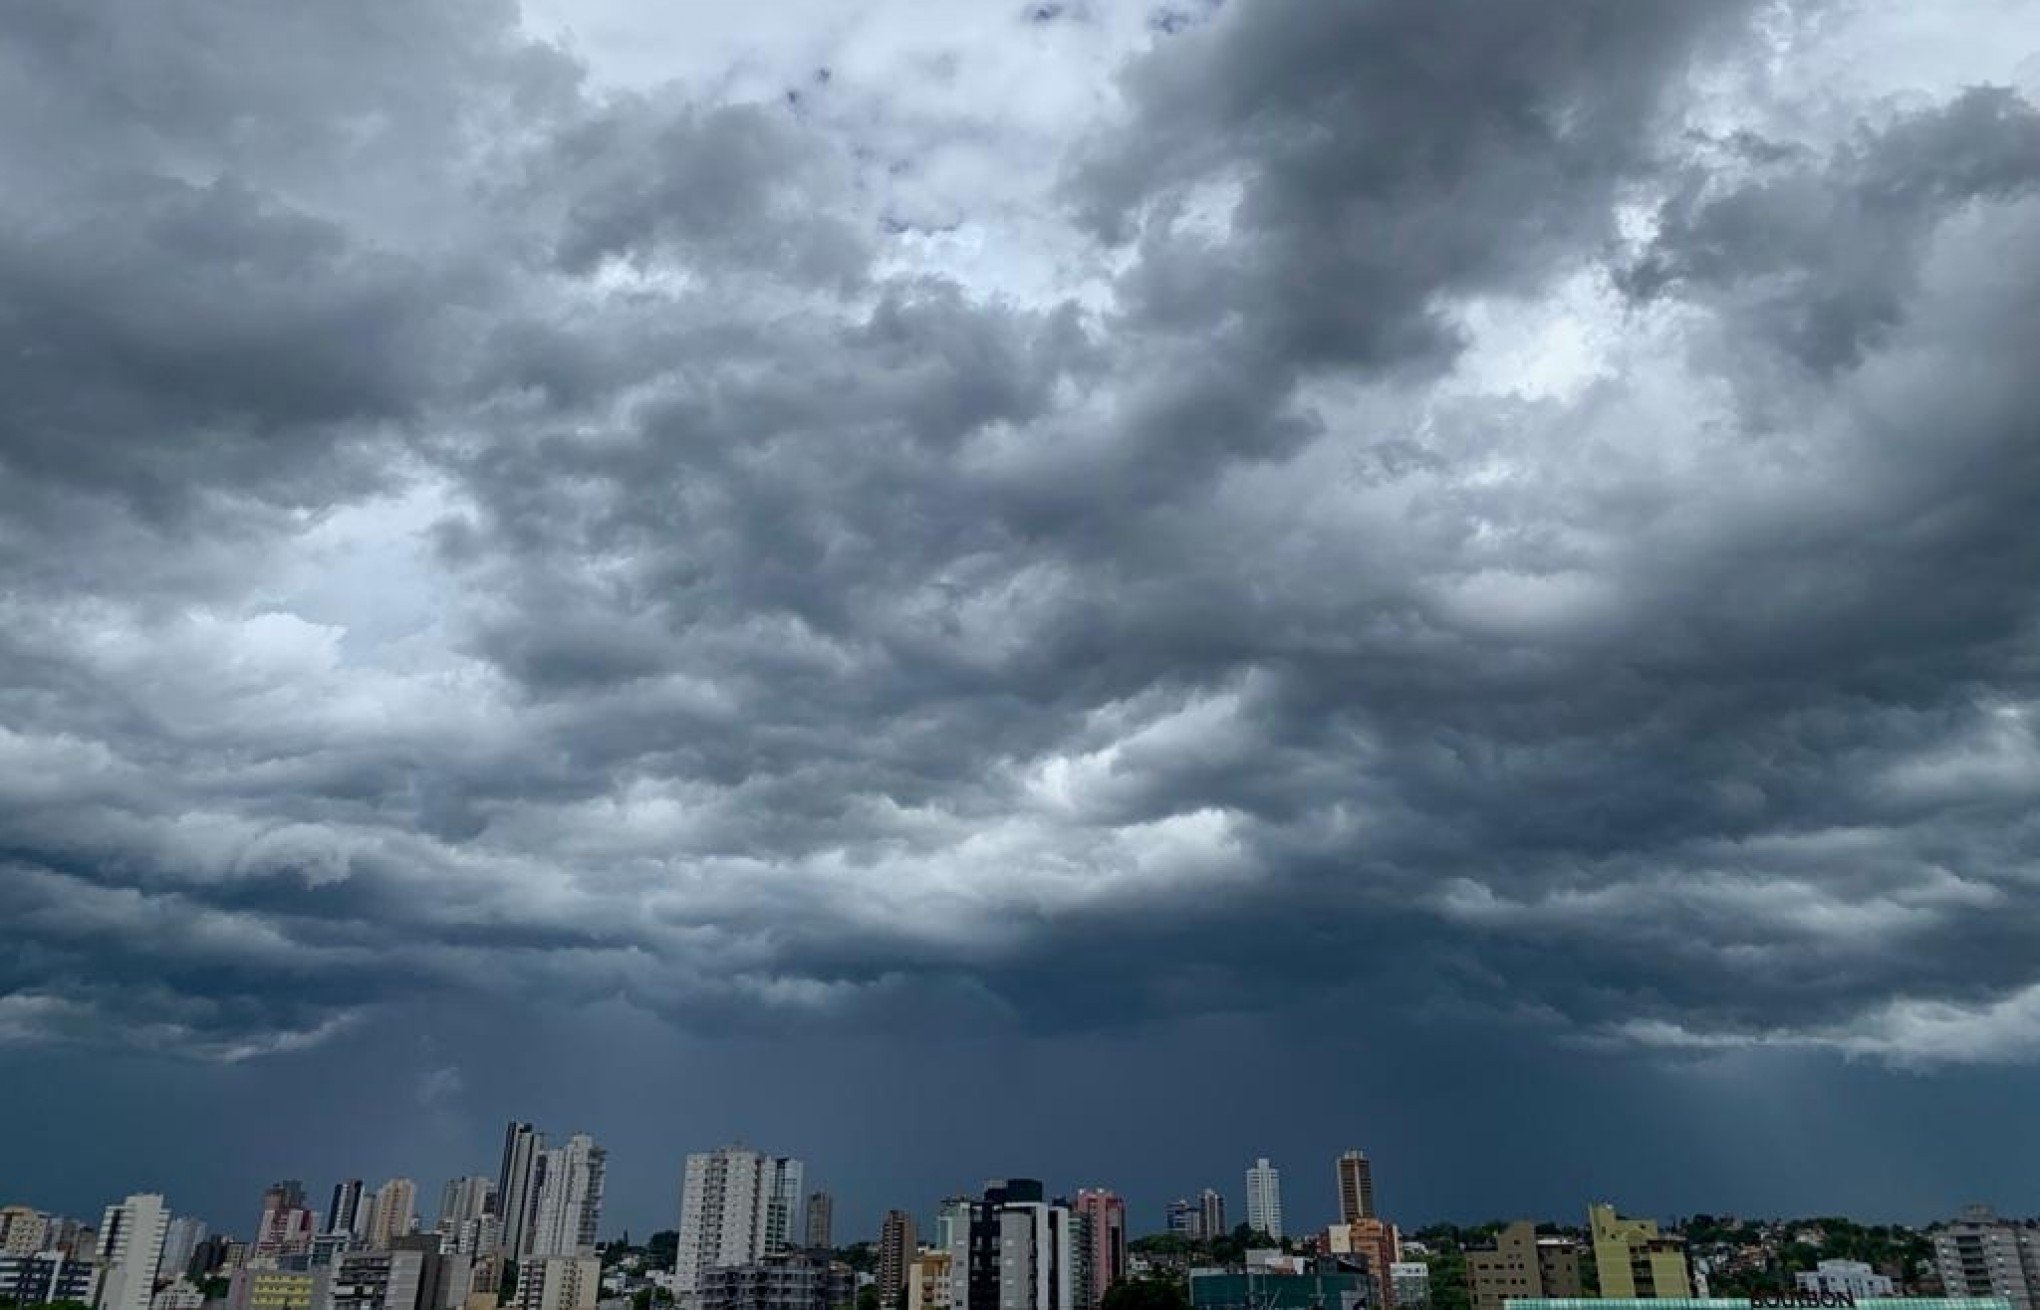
x=559, y=1282
x=275, y=1289
x=1522, y=1265
x=393, y=1214
x=791, y=1281
x=1633, y=1260
x=1013, y=1251
x=1982, y=1255
x=1849, y=1277
x=41, y=1277
x=1410, y=1285
x=130, y=1248
x=1264, y=1198
x=897, y=1243
x=181, y=1237
x=1329, y=1285
x=928, y=1285
x=343, y=1212
x=23, y=1230
x=1101, y=1244
x=737, y=1206
x=1375, y=1244
x=821, y=1215
x=521, y=1145
x=566, y=1204
x=1356, y=1187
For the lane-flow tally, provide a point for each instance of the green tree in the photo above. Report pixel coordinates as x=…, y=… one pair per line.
x=867, y=1297
x=662, y=1248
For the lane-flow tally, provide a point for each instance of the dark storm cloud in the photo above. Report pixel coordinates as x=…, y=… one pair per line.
x=578, y=552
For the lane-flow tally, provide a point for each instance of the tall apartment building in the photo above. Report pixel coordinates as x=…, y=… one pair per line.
x=821, y=1214
x=1632, y=1259
x=1184, y=1220
x=521, y=1145
x=1522, y=1265
x=1356, y=1187
x=23, y=1230
x=789, y=1281
x=566, y=1198
x=343, y=1213
x=897, y=1244
x=285, y=1227
x=1264, y=1198
x=1211, y=1213
x=1982, y=1255
x=181, y=1237
x=1013, y=1250
x=393, y=1214
x=1374, y=1241
x=129, y=1250
x=560, y=1282
x=1101, y=1244
x=737, y=1206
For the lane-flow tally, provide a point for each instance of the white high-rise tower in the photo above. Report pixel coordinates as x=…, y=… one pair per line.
x=566, y=1204
x=736, y=1206
x=1264, y=1198
x=130, y=1248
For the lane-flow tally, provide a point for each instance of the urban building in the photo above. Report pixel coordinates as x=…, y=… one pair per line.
x=521, y=1145
x=1324, y=1284
x=179, y=1293
x=40, y=1277
x=1983, y=1255
x=559, y=1282
x=1632, y=1259
x=1410, y=1285
x=1184, y=1220
x=464, y=1200
x=788, y=1281
x=285, y=1228
x=928, y=1280
x=275, y=1289
x=1100, y=1218
x=409, y=1274
x=1520, y=1265
x=1845, y=1277
x=327, y=1248
x=343, y=1214
x=566, y=1198
x=1356, y=1187
x=393, y=1214
x=1374, y=1244
x=952, y=1220
x=737, y=1206
x=896, y=1247
x=23, y=1230
x=1211, y=1214
x=181, y=1237
x=821, y=1213
x=1012, y=1250
x=1264, y=1198
x=130, y=1248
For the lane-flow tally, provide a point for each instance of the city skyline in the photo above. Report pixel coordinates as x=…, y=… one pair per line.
x=1083, y=590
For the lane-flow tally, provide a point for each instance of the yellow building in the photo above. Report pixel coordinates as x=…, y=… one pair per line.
x=1633, y=1259
x=928, y=1281
x=273, y=1289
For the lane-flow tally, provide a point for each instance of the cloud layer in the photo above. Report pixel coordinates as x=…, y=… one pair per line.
x=1525, y=510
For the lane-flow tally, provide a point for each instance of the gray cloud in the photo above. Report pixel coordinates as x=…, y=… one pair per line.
x=476, y=535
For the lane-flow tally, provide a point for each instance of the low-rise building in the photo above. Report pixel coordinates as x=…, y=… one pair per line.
x=1331, y=1284
x=928, y=1281
x=792, y=1281
x=45, y=1276
x=1633, y=1259
x=1411, y=1281
x=559, y=1282
x=1851, y=1277
x=1522, y=1264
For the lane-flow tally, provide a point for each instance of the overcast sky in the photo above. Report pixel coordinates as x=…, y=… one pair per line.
x=1085, y=589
